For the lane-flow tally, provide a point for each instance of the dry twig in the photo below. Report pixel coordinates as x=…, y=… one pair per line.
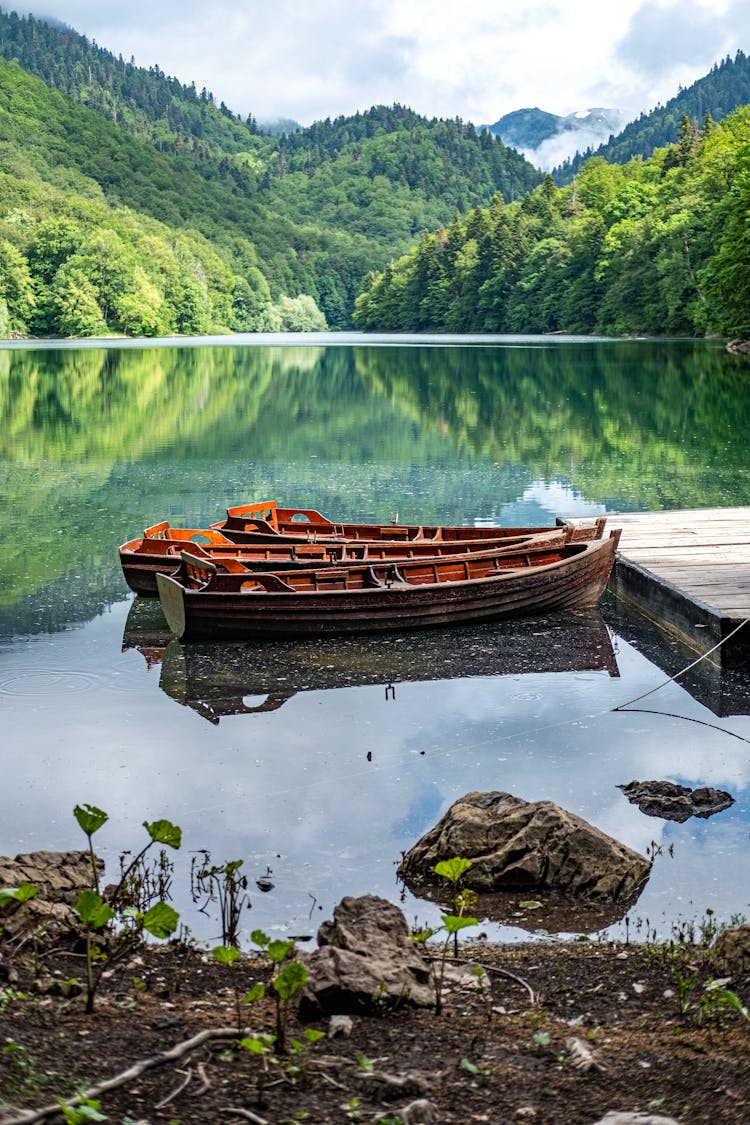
x=494, y=969
x=247, y=1114
x=177, y=1090
x=29, y=1117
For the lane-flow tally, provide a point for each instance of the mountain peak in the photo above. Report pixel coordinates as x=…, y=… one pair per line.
x=546, y=139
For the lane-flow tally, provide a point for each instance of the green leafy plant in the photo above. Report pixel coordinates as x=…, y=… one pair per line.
x=229, y=955
x=90, y=820
x=160, y=919
x=20, y=894
x=8, y=995
x=451, y=924
x=290, y=976
x=17, y=895
x=478, y=1070
x=718, y=1003
x=21, y=1078
x=84, y=1110
x=296, y=1068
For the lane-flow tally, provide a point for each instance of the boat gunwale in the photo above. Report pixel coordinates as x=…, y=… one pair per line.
x=576, y=551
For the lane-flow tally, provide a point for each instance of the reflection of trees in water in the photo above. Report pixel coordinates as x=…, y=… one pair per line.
x=548, y=407
x=97, y=442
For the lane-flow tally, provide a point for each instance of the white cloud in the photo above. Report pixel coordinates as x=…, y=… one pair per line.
x=331, y=57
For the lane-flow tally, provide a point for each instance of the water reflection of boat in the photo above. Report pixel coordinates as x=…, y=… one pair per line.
x=240, y=678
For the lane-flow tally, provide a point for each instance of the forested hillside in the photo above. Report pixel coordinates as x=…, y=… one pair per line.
x=657, y=246
x=724, y=89
x=292, y=224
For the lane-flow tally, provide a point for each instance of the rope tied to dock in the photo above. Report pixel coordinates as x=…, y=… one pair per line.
x=676, y=676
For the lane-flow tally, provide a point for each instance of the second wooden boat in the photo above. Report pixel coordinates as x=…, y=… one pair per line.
x=158, y=551
x=202, y=603
x=266, y=521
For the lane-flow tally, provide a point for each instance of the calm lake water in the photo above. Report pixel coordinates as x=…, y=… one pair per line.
x=318, y=764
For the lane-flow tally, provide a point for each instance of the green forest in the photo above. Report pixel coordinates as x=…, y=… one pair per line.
x=132, y=204
x=722, y=90
x=658, y=246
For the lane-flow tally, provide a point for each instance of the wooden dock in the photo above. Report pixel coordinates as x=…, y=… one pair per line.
x=689, y=571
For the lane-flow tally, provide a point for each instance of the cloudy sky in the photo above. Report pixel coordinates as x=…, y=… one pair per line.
x=478, y=60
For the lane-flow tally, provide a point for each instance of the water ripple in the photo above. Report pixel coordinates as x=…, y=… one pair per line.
x=36, y=681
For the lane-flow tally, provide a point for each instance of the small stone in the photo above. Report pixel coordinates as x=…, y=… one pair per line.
x=340, y=1027
x=419, y=1112
x=8, y=973
x=165, y=1020
x=615, y=1117
x=525, y=1113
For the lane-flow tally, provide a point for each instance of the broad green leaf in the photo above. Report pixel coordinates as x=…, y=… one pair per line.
x=257, y=937
x=225, y=954
x=258, y=1044
x=21, y=893
x=422, y=936
x=455, y=922
x=161, y=920
x=86, y=1109
x=255, y=993
x=164, y=832
x=452, y=869
x=279, y=950
x=531, y=904
x=290, y=979
x=90, y=818
x=93, y=910
x=312, y=1036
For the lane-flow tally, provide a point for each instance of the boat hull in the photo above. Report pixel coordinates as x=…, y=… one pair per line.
x=142, y=559
x=575, y=581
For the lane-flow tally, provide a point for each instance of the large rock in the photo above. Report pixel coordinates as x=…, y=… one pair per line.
x=731, y=950
x=365, y=961
x=59, y=878
x=517, y=845
x=670, y=801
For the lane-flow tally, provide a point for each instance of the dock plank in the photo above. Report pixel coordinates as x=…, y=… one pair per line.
x=689, y=570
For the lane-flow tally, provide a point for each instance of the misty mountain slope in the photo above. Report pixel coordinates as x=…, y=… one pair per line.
x=545, y=139
x=722, y=90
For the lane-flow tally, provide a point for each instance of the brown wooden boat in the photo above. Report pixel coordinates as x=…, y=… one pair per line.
x=158, y=551
x=202, y=603
x=265, y=521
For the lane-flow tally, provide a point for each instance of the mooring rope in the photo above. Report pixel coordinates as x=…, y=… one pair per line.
x=622, y=706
